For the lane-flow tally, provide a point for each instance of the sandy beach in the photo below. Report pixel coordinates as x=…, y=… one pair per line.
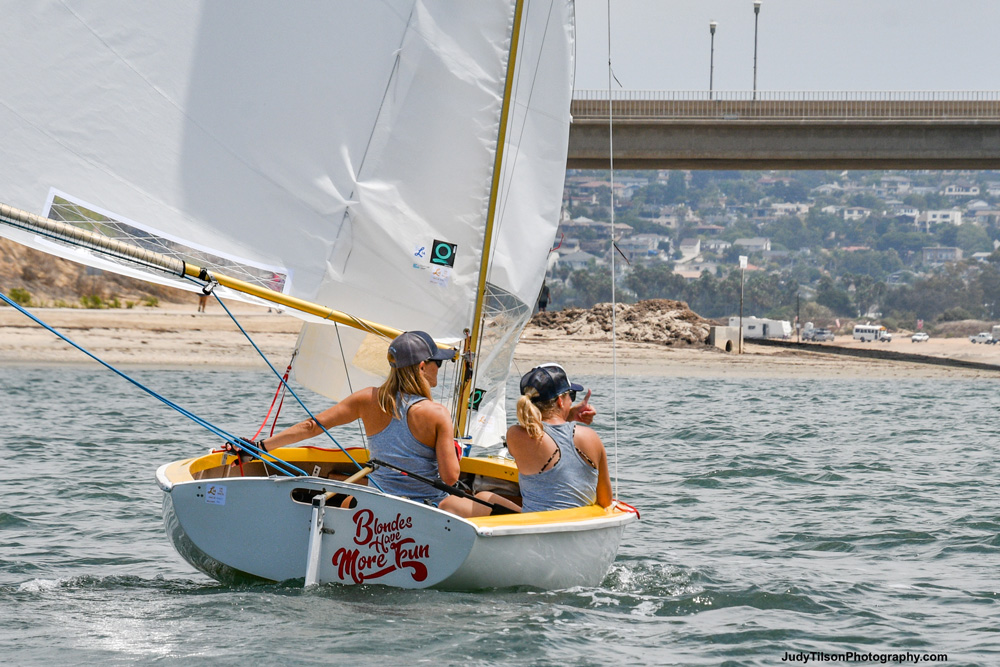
x=174, y=335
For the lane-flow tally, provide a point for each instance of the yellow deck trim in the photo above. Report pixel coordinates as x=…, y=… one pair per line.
x=587, y=513
x=490, y=467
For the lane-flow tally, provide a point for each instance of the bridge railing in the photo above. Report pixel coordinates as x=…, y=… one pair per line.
x=804, y=105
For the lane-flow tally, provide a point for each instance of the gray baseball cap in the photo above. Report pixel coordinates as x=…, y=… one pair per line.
x=412, y=347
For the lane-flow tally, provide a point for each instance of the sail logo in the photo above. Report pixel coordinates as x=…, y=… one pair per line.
x=384, y=547
x=443, y=253
x=476, y=398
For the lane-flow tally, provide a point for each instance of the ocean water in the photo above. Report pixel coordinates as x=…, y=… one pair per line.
x=779, y=517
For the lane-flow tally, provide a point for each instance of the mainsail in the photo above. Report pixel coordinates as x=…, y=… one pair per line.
x=341, y=153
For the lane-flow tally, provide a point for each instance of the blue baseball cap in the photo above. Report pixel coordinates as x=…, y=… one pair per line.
x=549, y=380
x=412, y=347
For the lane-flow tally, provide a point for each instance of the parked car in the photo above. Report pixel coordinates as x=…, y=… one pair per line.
x=982, y=337
x=818, y=335
x=920, y=337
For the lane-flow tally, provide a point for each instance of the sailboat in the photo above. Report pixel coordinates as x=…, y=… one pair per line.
x=398, y=162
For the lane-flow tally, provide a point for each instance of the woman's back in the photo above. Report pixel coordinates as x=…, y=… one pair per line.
x=571, y=482
x=397, y=445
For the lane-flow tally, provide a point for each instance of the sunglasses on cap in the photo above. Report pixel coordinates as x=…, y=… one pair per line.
x=436, y=362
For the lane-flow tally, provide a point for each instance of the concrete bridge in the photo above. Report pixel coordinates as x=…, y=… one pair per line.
x=786, y=130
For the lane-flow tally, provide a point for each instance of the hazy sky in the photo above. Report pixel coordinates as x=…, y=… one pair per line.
x=802, y=44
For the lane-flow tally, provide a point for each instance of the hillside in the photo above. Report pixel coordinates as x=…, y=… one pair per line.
x=53, y=281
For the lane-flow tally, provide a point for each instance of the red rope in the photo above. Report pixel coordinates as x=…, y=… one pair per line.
x=279, y=390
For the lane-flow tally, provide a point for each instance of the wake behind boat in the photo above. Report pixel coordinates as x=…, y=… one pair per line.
x=358, y=163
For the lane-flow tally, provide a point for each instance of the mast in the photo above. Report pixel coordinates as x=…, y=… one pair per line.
x=81, y=237
x=475, y=338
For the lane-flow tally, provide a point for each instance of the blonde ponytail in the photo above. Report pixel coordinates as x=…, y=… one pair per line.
x=530, y=414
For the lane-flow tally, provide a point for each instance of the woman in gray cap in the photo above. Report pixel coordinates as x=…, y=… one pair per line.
x=560, y=464
x=405, y=427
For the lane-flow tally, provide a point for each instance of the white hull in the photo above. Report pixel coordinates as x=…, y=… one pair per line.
x=260, y=527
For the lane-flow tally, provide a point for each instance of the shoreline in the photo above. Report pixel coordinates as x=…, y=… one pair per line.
x=176, y=336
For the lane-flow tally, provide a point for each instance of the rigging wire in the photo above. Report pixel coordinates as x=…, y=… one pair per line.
x=350, y=387
x=614, y=305
x=215, y=430
x=290, y=390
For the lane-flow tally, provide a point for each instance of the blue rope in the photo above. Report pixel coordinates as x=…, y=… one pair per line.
x=281, y=379
x=238, y=442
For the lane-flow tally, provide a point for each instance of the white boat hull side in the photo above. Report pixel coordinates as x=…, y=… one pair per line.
x=549, y=559
x=252, y=526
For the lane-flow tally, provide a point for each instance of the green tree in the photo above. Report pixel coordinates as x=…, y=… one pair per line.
x=655, y=281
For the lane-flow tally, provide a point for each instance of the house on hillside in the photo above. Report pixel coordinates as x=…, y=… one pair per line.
x=798, y=208
x=904, y=211
x=941, y=255
x=716, y=245
x=952, y=216
x=690, y=247
x=756, y=244
x=961, y=188
x=856, y=213
x=579, y=260
x=892, y=185
x=641, y=246
x=828, y=189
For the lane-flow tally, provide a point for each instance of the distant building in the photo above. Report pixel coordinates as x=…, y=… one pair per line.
x=641, y=246
x=690, y=247
x=961, y=189
x=892, y=185
x=904, y=211
x=578, y=260
x=941, y=255
x=952, y=216
x=716, y=245
x=791, y=208
x=753, y=245
x=856, y=213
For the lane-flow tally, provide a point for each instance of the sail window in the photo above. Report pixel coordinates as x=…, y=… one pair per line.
x=65, y=208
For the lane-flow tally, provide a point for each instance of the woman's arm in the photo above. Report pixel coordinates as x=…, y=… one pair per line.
x=444, y=443
x=590, y=444
x=346, y=411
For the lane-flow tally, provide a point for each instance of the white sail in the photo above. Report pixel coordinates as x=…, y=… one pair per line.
x=332, y=147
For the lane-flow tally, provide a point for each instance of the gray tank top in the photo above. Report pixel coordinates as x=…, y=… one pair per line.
x=395, y=444
x=571, y=482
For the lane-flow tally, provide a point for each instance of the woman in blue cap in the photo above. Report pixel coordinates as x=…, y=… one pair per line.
x=405, y=427
x=560, y=463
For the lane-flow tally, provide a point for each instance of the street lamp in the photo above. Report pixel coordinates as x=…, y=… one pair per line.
x=756, y=14
x=711, y=63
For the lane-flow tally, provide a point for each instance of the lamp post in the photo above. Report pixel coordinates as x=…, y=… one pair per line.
x=756, y=14
x=711, y=62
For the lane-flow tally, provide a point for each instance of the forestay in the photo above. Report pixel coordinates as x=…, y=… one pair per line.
x=339, y=152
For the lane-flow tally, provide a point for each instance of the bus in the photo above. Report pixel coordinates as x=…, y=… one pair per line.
x=867, y=333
